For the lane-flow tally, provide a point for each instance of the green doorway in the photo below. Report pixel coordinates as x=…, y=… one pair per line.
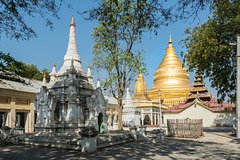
x=100, y=123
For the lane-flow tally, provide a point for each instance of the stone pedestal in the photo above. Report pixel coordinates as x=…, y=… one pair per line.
x=142, y=129
x=142, y=135
x=5, y=133
x=18, y=130
x=152, y=138
x=160, y=135
x=133, y=130
x=89, y=139
x=115, y=126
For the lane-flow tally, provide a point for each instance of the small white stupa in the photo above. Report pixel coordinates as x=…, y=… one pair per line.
x=130, y=114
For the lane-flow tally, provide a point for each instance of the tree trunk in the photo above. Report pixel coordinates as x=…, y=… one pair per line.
x=120, y=107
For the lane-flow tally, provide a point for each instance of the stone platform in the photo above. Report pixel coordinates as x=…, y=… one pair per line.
x=74, y=141
x=113, y=138
x=52, y=140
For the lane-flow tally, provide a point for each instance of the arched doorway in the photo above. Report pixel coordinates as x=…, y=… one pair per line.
x=147, y=120
x=100, y=123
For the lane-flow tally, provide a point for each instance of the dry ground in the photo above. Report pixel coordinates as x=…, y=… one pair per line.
x=215, y=145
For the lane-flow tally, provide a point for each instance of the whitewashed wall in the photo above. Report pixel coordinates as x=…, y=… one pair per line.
x=198, y=112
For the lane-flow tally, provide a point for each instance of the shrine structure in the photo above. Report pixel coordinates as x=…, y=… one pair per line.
x=70, y=102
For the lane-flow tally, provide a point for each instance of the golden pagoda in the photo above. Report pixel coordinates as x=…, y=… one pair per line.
x=171, y=78
x=141, y=89
x=149, y=111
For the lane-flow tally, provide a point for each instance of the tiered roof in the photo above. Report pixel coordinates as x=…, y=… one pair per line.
x=199, y=95
x=199, y=90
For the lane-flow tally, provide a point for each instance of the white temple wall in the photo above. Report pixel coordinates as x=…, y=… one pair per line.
x=210, y=118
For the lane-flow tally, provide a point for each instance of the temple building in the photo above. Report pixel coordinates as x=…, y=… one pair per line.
x=149, y=111
x=201, y=105
x=17, y=97
x=70, y=101
x=171, y=78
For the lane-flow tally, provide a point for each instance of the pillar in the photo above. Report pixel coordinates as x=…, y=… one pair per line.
x=31, y=121
x=151, y=117
x=27, y=122
x=12, y=118
x=142, y=117
x=155, y=119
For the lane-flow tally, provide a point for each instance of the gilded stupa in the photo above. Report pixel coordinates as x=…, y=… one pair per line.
x=171, y=78
x=141, y=89
x=149, y=110
x=140, y=98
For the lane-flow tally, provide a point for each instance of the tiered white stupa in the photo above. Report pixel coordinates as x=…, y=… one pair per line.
x=70, y=101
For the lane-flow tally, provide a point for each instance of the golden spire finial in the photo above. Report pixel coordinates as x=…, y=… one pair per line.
x=73, y=22
x=88, y=66
x=44, y=75
x=98, y=79
x=170, y=39
x=54, y=65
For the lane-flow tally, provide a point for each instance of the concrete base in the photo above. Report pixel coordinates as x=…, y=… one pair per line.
x=89, y=144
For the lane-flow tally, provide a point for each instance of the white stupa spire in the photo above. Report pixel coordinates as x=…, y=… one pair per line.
x=98, y=83
x=72, y=53
x=53, y=74
x=44, y=82
x=90, y=77
x=89, y=72
x=128, y=99
x=128, y=96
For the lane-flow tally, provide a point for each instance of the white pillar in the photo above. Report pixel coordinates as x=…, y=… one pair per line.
x=18, y=120
x=151, y=117
x=238, y=87
x=155, y=119
x=26, y=120
x=142, y=117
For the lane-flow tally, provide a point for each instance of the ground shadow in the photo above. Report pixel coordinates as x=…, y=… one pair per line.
x=171, y=148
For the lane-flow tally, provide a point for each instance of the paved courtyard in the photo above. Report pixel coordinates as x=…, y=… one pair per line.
x=215, y=145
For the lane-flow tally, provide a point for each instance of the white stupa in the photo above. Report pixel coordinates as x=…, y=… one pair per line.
x=130, y=113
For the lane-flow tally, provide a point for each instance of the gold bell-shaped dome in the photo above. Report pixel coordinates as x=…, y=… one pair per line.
x=171, y=78
x=140, y=89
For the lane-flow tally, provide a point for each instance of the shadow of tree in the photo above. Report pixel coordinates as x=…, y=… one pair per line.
x=214, y=146
x=171, y=148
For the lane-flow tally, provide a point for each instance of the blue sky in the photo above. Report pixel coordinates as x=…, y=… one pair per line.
x=51, y=46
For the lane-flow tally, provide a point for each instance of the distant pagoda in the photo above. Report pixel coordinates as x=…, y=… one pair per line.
x=199, y=91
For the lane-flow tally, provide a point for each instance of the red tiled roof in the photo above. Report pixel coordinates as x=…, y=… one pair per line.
x=212, y=105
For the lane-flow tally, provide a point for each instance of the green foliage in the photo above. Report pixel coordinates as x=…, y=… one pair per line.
x=208, y=47
x=121, y=25
x=28, y=71
x=5, y=60
x=8, y=63
x=13, y=12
